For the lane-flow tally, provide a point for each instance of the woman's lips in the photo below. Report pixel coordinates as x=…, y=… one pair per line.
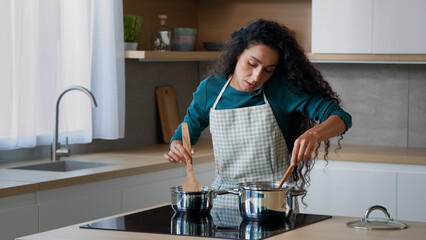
x=250, y=85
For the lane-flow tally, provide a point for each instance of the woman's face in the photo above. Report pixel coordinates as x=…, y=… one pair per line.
x=254, y=67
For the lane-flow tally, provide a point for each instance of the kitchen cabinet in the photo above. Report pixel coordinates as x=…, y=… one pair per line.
x=18, y=222
x=411, y=196
x=369, y=26
x=18, y=216
x=341, y=26
x=349, y=188
x=77, y=208
x=398, y=26
x=344, y=189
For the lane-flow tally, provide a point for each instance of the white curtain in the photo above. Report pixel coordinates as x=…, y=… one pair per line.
x=48, y=45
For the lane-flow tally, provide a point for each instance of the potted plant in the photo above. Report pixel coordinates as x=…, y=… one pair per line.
x=131, y=27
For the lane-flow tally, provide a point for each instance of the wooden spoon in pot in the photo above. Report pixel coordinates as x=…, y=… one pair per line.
x=191, y=184
x=286, y=175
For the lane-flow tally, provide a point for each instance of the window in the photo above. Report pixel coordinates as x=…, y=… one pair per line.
x=48, y=45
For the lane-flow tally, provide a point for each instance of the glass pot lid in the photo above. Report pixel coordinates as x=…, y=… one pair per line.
x=367, y=223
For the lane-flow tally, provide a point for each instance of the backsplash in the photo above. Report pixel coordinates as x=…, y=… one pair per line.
x=386, y=101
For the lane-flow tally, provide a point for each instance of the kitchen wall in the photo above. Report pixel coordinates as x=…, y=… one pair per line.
x=387, y=103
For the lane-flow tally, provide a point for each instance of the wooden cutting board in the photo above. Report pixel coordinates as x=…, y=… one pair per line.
x=167, y=107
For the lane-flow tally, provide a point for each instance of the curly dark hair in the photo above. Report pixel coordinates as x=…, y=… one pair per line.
x=295, y=65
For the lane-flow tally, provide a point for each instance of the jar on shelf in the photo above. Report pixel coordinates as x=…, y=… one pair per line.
x=162, y=35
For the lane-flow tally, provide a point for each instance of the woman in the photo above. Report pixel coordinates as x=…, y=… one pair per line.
x=262, y=101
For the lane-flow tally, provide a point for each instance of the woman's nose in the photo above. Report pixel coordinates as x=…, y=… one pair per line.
x=255, y=75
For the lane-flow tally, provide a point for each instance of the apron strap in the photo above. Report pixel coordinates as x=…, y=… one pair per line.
x=223, y=90
x=264, y=97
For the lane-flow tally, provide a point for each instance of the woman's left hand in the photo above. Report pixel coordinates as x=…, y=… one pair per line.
x=303, y=147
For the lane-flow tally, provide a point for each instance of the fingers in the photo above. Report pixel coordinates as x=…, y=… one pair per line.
x=302, y=150
x=185, y=155
x=178, y=154
x=295, y=153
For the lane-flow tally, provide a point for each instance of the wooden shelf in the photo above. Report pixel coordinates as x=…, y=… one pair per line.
x=314, y=57
x=172, y=55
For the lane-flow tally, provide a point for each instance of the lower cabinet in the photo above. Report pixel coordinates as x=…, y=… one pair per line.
x=79, y=208
x=349, y=188
x=18, y=216
x=18, y=222
x=411, y=196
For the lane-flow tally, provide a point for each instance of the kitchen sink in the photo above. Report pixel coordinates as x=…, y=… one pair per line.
x=63, y=166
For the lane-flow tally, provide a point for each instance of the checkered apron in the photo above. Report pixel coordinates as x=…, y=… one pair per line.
x=248, y=146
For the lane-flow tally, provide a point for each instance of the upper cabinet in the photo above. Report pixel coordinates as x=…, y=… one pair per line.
x=341, y=26
x=399, y=26
x=369, y=26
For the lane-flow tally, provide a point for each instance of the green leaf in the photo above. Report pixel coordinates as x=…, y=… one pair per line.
x=131, y=27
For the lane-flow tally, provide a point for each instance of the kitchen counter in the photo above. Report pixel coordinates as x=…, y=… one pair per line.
x=126, y=163
x=150, y=159
x=330, y=229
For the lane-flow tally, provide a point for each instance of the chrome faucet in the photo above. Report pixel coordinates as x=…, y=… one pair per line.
x=57, y=151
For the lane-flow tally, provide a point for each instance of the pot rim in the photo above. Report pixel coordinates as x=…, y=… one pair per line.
x=257, y=186
x=179, y=189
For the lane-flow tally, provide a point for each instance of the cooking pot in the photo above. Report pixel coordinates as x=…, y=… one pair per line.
x=194, y=202
x=259, y=201
x=184, y=223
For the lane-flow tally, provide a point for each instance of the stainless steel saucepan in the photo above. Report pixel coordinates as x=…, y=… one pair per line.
x=260, y=201
x=196, y=202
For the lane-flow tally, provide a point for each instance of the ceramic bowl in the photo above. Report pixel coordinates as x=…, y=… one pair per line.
x=183, y=39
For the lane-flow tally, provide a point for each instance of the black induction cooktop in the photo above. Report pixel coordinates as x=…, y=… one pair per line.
x=219, y=223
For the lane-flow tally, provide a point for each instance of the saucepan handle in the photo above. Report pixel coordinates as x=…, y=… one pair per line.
x=297, y=192
x=226, y=191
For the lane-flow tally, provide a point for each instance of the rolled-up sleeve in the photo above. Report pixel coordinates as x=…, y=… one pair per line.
x=319, y=108
x=196, y=116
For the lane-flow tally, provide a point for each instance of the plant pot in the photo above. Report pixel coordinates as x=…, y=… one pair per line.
x=130, y=46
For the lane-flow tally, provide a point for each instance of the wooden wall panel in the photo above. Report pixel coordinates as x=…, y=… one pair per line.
x=219, y=18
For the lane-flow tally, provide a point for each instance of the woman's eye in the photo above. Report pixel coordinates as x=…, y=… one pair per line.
x=252, y=64
x=268, y=70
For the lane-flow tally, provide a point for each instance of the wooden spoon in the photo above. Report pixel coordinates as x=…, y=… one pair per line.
x=286, y=175
x=191, y=184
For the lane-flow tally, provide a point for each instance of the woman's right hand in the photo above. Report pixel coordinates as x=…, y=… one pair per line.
x=178, y=154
